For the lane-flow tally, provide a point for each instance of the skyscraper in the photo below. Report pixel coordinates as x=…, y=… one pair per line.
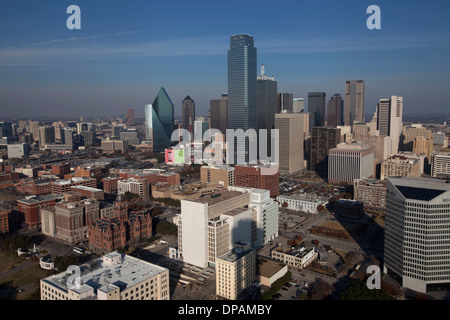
x=334, y=111
x=130, y=117
x=291, y=132
x=354, y=101
x=417, y=232
x=266, y=101
x=322, y=140
x=298, y=105
x=285, y=102
x=389, y=121
x=241, y=90
x=159, y=121
x=218, y=113
x=316, y=106
x=188, y=113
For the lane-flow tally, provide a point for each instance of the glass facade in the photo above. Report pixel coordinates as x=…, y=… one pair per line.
x=159, y=119
x=242, y=86
x=316, y=105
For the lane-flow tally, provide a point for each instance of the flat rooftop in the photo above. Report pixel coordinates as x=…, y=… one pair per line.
x=108, y=272
x=218, y=197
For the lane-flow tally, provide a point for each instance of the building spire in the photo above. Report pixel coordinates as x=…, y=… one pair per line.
x=262, y=70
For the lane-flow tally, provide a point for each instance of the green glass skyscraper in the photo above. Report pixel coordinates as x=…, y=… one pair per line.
x=159, y=121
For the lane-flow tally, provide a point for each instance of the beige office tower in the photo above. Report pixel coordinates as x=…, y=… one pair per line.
x=422, y=145
x=354, y=102
x=218, y=174
x=236, y=271
x=411, y=132
x=291, y=132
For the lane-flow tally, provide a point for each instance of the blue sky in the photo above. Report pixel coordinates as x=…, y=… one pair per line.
x=126, y=50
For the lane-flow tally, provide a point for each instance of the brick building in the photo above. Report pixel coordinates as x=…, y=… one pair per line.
x=61, y=186
x=30, y=207
x=60, y=169
x=110, y=184
x=251, y=176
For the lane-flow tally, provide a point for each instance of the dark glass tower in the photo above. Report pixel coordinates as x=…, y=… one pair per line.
x=242, y=85
x=188, y=113
x=316, y=105
x=159, y=121
x=335, y=110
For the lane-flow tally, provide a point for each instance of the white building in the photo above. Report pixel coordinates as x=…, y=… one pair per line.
x=209, y=226
x=136, y=186
x=112, y=277
x=18, y=150
x=301, y=202
x=440, y=164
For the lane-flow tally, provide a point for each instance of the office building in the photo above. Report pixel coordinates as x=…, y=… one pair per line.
x=136, y=186
x=5, y=209
x=266, y=101
x=235, y=271
x=46, y=136
x=291, y=133
x=335, y=109
x=417, y=233
x=65, y=185
x=217, y=174
x=298, y=105
x=18, y=150
x=322, y=140
x=316, y=106
x=6, y=129
x=389, y=121
x=371, y=192
x=301, y=202
x=188, y=114
x=241, y=92
x=401, y=165
x=159, y=121
x=114, y=276
x=410, y=132
x=130, y=117
x=71, y=219
x=354, y=102
x=208, y=226
x=440, y=165
x=31, y=207
x=253, y=176
x=285, y=102
x=264, y=212
x=218, y=114
x=348, y=162
x=298, y=257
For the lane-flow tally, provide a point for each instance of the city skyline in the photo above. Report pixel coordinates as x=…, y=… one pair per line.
x=120, y=58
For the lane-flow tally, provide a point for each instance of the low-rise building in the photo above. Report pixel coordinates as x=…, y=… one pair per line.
x=371, y=192
x=297, y=257
x=114, y=276
x=301, y=202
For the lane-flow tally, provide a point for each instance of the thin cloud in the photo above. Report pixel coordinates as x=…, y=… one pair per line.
x=56, y=53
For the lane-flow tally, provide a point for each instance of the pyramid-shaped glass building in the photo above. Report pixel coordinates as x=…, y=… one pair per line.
x=159, y=121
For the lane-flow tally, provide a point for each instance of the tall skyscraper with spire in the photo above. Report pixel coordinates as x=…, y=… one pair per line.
x=266, y=101
x=242, y=87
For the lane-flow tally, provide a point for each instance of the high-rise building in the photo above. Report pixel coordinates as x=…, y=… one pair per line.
x=322, y=140
x=266, y=101
x=236, y=271
x=440, y=164
x=354, y=102
x=159, y=121
x=217, y=174
x=417, y=232
x=285, y=102
x=335, y=109
x=219, y=113
x=46, y=136
x=291, y=133
x=371, y=192
x=241, y=92
x=188, y=114
x=410, y=132
x=130, y=117
x=389, y=120
x=316, y=106
x=348, y=162
x=298, y=105
x=401, y=166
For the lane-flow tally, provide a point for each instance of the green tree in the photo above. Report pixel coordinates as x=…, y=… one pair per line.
x=358, y=291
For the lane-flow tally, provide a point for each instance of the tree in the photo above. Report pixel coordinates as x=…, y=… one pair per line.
x=358, y=291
